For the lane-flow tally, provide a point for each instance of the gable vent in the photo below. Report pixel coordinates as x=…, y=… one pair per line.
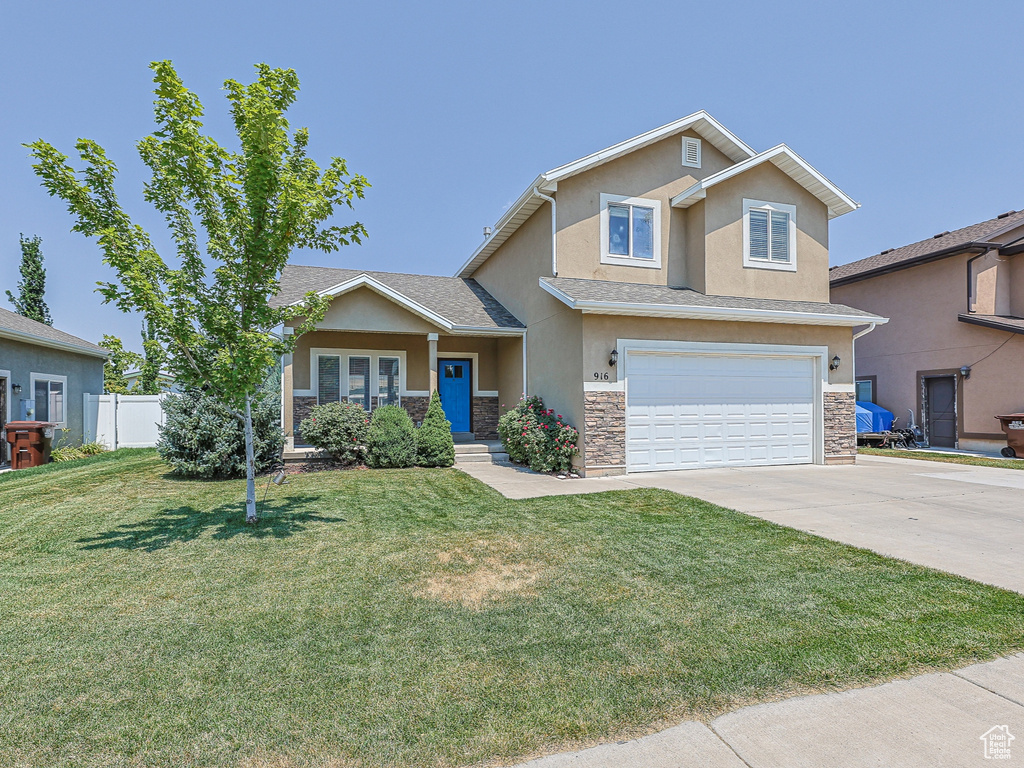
x=691, y=152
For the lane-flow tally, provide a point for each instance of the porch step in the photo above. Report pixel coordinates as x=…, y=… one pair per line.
x=463, y=437
x=482, y=450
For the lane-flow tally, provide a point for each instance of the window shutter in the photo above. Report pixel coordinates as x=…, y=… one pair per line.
x=780, y=236
x=759, y=234
x=691, y=152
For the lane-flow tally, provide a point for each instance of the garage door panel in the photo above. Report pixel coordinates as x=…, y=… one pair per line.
x=694, y=410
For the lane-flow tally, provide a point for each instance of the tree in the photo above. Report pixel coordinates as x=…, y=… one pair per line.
x=434, y=445
x=115, y=382
x=29, y=301
x=254, y=205
x=152, y=363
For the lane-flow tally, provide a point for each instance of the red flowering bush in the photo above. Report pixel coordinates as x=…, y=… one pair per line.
x=339, y=429
x=538, y=437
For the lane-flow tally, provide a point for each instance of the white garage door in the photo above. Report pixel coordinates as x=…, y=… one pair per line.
x=685, y=411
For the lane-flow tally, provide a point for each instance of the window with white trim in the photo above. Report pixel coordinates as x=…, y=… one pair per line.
x=48, y=398
x=691, y=152
x=630, y=231
x=349, y=377
x=769, y=235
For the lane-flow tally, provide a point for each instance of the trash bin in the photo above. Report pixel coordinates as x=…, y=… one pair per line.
x=1013, y=426
x=30, y=443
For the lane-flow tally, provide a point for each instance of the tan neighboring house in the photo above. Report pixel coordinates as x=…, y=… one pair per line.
x=953, y=351
x=667, y=295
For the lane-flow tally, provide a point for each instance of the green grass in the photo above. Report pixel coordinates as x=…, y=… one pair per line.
x=417, y=618
x=946, y=458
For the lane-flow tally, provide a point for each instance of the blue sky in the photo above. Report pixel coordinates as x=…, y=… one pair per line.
x=450, y=109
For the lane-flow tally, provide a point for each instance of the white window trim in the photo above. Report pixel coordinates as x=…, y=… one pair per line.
x=700, y=151
x=785, y=266
x=345, y=354
x=34, y=377
x=630, y=261
x=6, y=375
x=818, y=354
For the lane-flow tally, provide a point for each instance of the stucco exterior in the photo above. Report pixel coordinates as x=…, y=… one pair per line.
x=84, y=373
x=925, y=337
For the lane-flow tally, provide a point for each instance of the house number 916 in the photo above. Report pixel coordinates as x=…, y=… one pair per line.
x=601, y=376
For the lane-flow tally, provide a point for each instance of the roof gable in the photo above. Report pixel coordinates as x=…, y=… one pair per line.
x=700, y=122
x=790, y=163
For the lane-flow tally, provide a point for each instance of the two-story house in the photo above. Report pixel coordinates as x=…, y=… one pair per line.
x=953, y=353
x=667, y=295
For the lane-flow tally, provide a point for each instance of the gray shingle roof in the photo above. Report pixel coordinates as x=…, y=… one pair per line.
x=999, y=322
x=583, y=290
x=460, y=301
x=908, y=255
x=15, y=325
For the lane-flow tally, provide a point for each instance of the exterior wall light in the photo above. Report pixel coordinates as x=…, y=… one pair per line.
x=16, y=389
x=965, y=371
x=834, y=365
x=614, y=359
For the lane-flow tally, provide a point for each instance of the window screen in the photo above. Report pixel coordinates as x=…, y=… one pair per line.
x=49, y=401
x=329, y=378
x=359, y=381
x=387, y=381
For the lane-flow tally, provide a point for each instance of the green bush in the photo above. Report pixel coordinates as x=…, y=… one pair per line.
x=434, y=445
x=339, y=429
x=391, y=439
x=72, y=452
x=202, y=437
x=537, y=437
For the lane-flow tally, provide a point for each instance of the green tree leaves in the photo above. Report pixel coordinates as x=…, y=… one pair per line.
x=32, y=286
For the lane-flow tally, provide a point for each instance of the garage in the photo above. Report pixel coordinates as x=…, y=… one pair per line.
x=687, y=410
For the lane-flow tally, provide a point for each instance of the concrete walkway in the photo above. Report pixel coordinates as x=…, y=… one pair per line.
x=932, y=721
x=961, y=519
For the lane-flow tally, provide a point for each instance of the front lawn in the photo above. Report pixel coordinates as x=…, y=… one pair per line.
x=417, y=618
x=946, y=458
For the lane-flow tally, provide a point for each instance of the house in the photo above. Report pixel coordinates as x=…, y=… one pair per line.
x=43, y=374
x=667, y=295
x=165, y=378
x=953, y=351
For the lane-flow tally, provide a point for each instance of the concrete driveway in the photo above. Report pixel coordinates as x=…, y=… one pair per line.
x=961, y=519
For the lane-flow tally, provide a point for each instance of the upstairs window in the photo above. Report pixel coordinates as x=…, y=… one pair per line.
x=630, y=231
x=691, y=152
x=769, y=235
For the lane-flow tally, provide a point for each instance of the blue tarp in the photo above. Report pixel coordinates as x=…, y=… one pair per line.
x=872, y=418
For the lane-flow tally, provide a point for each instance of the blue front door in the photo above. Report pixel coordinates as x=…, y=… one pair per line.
x=453, y=386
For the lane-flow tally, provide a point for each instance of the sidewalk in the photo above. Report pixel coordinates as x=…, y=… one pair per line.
x=931, y=721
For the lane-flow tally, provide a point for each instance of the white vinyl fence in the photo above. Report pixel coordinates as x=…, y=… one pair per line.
x=123, y=421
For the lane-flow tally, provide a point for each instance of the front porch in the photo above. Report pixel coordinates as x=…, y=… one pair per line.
x=473, y=374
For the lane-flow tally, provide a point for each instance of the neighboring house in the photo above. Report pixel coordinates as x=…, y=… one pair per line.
x=43, y=375
x=667, y=295
x=166, y=380
x=953, y=352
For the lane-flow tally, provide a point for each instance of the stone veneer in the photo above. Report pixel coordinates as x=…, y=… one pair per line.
x=840, y=428
x=301, y=406
x=485, y=418
x=604, y=421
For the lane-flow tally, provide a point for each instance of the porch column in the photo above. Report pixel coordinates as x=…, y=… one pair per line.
x=432, y=357
x=287, y=403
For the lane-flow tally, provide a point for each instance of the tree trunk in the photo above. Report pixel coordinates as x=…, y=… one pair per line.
x=250, y=466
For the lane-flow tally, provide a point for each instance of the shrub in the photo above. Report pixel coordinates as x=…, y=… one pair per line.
x=202, y=437
x=72, y=452
x=537, y=437
x=339, y=429
x=391, y=439
x=434, y=446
